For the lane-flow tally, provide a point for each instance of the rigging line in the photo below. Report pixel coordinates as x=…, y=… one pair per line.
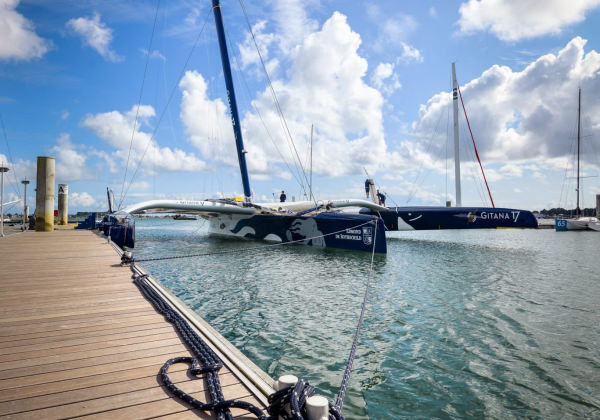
x=137, y=111
x=564, y=180
x=277, y=105
x=429, y=146
x=346, y=378
x=476, y=153
x=163, y=112
x=295, y=175
x=472, y=171
x=10, y=158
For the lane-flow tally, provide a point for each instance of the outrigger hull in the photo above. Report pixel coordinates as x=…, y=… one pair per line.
x=433, y=218
x=354, y=232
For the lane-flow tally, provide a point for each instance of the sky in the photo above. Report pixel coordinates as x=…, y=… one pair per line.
x=130, y=96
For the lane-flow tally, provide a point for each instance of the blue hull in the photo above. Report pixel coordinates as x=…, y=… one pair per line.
x=433, y=218
x=354, y=232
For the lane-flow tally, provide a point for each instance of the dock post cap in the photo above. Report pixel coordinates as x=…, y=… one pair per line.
x=317, y=408
x=285, y=381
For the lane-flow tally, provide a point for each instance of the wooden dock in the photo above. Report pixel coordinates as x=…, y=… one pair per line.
x=77, y=338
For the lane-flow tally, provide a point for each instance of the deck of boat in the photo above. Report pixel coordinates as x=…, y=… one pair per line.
x=78, y=339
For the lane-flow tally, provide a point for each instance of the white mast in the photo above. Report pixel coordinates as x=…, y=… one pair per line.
x=456, y=152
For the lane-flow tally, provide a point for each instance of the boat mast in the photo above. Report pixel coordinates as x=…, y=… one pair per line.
x=235, y=120
x=578, y=210
x=456, y=150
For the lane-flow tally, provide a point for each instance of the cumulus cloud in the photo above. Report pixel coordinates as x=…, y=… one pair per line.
x=325, y=73
x=529, y=115
x=513, y=20
x=81, y=200
x=70, y=160
x=396, y=27
x=95, y=34
x=116, y=129
x=385, y=79
x=18, y=40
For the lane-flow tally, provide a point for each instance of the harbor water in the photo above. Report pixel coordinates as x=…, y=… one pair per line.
x=495, y=324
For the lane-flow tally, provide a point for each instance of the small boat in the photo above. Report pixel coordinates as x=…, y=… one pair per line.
x=578, y=222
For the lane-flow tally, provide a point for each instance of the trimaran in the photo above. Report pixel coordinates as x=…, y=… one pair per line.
x=360, y=226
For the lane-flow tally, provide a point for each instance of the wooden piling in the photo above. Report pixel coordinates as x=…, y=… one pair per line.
x=63, y=204
x=44, y=194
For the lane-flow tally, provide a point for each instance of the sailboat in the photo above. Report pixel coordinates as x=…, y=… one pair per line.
x=578, y=222
x=459, y=217
x=310, y=223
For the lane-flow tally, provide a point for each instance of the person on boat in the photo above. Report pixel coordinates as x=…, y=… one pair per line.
x=367, y=186
x=282, y=197
x=381, y=198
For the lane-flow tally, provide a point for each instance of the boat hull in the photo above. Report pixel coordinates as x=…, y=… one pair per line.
x=583, y=223
x=354, y=232
x=433, y=218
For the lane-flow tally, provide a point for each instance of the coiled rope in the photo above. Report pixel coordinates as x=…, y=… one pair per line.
x=206, y=362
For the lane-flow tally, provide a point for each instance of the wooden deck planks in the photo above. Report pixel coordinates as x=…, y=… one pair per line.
x=78, y=339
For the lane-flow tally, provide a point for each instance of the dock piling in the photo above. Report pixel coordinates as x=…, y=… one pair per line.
x=598, y=206
x=44, y=194
x=63, y=204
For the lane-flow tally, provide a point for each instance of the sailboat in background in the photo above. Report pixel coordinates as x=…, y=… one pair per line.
x=459, y=217
x=578, y=222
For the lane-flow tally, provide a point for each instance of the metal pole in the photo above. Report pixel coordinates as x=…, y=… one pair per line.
x=578, y=210
x=312, y=126
x=2, y=170
x=235, y=120
x=456, y=142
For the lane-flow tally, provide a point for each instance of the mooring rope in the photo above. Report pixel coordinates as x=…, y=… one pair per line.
x=206, y=362
x=346, y=378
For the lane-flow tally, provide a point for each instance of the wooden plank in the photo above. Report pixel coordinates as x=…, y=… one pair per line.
x=77, y=338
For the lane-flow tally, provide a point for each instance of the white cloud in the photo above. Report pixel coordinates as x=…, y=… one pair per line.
x=64, y=115
x=325, y=87
x=18, y=40
x=384, y=78
x=433, y=12
x=116, y=129
x=81, y=200
x=70, y=162
x=154, y=54
x=95, y=34
x=527, y=115
x=513, y=20
x=410, y=53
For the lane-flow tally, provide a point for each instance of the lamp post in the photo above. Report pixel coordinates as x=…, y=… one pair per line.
x=25, y=208
x=2, y=170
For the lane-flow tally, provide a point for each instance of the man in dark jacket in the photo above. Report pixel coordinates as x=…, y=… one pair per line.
x=282, y=197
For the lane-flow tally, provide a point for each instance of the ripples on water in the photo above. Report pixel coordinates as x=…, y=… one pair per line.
x=497, y=324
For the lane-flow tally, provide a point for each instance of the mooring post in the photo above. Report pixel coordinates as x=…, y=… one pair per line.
x=317, y=408
x=25, y=206
x=2, y=170
x=63, y=204
x=44, y=194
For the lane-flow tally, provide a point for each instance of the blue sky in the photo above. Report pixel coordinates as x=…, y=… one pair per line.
x=372, y=77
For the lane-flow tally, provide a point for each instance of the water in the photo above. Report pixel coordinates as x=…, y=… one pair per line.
x=460, y=324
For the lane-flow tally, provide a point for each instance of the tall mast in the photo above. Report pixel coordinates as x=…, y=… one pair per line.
x=577, y=210
x=235, y=120
x=456, y=150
